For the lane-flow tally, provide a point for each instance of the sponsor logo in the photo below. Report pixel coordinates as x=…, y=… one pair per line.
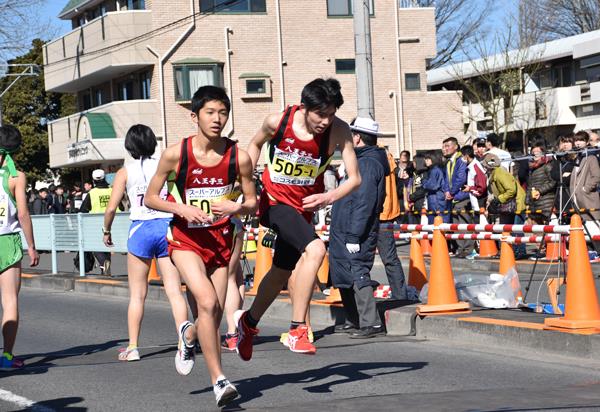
x=197, y=171
x=290, y=140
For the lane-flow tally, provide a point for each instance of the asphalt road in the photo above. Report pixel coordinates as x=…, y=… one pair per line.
x=70, y=341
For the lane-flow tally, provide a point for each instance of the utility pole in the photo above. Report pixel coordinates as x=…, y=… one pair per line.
x=28, y=70
x=363, y=59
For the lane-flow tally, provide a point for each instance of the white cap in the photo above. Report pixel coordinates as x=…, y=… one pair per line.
x=98, y=174
x=365, y=125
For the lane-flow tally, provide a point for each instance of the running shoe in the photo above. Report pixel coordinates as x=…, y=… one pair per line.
x=230, y=342
x=8, y=361
x=472, y=255
x=284, y=336
x=185, y=356
x=129, y=354
x=224, y=391
x=298, y=341
x=245, y=335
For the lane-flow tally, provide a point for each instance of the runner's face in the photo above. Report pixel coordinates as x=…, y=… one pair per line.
x=318, y=121
x=211, y=119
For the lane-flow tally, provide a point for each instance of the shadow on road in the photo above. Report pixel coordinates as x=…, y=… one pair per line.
x=59, y=404
x=253, y=388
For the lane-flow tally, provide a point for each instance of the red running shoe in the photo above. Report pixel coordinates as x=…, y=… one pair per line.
x=298, y=341
x=245, y=335
x=230, y=342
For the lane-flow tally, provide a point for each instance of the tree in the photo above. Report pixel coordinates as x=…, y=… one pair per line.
x=544, y=20
x=458, y=24
x=20, y=24
x=29, y=107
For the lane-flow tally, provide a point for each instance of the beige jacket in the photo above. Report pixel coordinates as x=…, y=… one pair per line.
x=584, y=186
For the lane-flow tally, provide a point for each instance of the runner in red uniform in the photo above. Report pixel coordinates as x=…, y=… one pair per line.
x=300, y=146
x=203, y=169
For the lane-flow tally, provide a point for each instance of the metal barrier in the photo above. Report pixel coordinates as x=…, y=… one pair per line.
x=80, y=233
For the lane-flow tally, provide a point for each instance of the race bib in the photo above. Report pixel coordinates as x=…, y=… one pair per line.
x=293, y=168
x=204, y=197
x=3, y=210
x=139, y=192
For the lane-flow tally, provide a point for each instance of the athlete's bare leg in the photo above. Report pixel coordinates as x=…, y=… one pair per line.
x=290, y=287
x=235, y=284
x=10, y=284
x=271, y=285
x=209, y=292
x=137, y=278
x=172, y=284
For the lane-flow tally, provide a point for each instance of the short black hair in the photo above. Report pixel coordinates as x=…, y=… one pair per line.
x=467, y=150
x=207, y=94
x=321, y=94
x=494, y=139
x=140, y=141
x=582, y=135
x=435, y=157
x=405, y=152
x=10, y=138
x=453, y=140
x=367, y=138
x=539, y=143
x=43, y=189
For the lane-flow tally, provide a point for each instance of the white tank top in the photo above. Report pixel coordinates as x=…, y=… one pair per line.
x=139, y=173
x=9, y=223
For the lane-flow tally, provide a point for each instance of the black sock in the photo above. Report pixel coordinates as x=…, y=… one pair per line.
x=295, y=324
x=251, y=321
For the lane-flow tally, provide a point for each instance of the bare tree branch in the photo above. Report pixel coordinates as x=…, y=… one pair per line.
x=21, y=23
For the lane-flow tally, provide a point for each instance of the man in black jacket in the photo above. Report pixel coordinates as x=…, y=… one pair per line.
x=353, y=235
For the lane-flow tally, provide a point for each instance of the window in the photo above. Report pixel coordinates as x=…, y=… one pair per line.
x=255, y=86
x=136, y=4
x=345, y=66
x=344, y=8
x=412, y=81
x=231, y=6
x=125, y=90
x=98, y=97
x=188, y=78
x=145, y=83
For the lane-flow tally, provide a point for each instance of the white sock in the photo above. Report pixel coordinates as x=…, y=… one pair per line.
x=220, y=378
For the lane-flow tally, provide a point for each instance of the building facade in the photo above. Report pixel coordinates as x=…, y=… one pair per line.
x=140, y=61
x=558, y=89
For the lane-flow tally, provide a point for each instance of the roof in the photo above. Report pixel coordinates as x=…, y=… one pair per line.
x=101, y=126
x=71, y=5
x=551, y=50
x=197, y=60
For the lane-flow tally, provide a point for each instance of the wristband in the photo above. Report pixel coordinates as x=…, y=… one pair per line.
x=105, y=232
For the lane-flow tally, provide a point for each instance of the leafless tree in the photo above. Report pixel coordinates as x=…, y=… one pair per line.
x=21, y=22
x=458, y=23
x=553, y=19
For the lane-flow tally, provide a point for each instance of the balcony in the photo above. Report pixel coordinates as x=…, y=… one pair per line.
x=98, y=51
x=97, y=135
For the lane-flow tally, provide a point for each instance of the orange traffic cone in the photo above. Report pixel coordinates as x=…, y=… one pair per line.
x=153, y=273
x=487, y=248
x=556, y=250
x=507, y=256
x=417, y=276
x=334, y=293
x=264, y=261
x=425, y=243
x=582, y=311
x=441, y=297
x=323, y=273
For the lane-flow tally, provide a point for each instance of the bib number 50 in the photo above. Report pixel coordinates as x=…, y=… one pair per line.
x=203, y=204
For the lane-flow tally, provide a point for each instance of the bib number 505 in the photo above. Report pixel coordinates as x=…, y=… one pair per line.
x=290, y=169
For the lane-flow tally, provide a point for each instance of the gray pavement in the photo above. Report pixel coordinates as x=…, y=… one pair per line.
x=70, y=343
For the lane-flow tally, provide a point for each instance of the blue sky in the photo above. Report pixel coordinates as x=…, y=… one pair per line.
x=50, y=12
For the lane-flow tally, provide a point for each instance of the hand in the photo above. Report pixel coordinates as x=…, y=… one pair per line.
x=466, y=189
x=34, y=257
x=353, y=247
x=193, y=214
x=448, y=196
x=107, y=239
x=313, y=203
x=225, y=208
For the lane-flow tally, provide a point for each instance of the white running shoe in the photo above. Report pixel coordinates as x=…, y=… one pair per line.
x=129, y=355
x=224, y=391
x=184, y=358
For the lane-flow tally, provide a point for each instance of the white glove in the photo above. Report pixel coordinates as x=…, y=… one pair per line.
x=353, y=247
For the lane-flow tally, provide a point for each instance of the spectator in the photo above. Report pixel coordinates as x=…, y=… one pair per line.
x=75, y=198
x=96, y=202
x=40, y=203
x=58, y=201
x=541, y=188
x=417, y=193
x=504, y=188
x=480, y=148
x=493, y=142
x=458, y=204
x=354, y=230
x=594, y=139
x=404, y=164
x=87, y=186
x=561, y=174
x=584, y=183
x=476, y=185
x=434, y=185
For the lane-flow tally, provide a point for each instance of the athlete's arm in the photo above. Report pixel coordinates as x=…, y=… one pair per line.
x=264, y=134
x=340, y=137
x=168, y=163
x=23, y=215
x=118, y=190
x=248, y=206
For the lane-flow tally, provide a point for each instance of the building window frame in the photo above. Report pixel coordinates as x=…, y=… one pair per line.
x=220, y=7
x=412, y=82
x=342, y=66
x=348, y=7
x=183, y=92
x=247, y=79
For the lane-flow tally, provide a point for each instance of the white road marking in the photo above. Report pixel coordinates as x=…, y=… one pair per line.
x=22, y=402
